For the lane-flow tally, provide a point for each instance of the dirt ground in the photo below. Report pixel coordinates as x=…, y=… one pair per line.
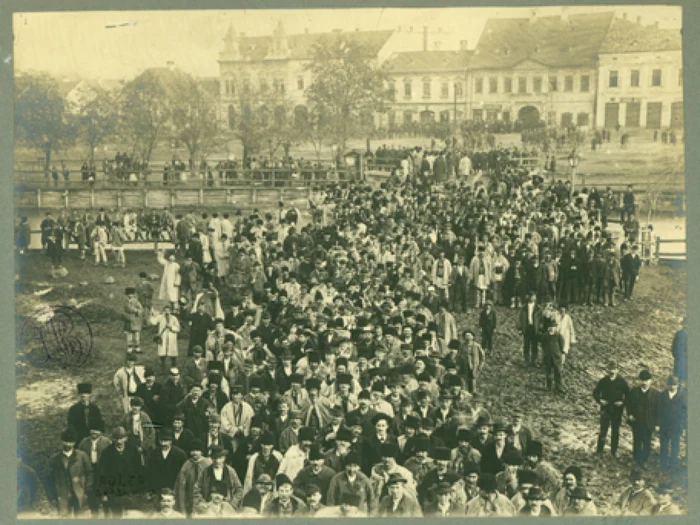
x=637, y=333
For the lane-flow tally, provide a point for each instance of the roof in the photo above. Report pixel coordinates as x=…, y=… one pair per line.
x=552, y=41
x=301, y=46
x=625, y=36
x=429, y=61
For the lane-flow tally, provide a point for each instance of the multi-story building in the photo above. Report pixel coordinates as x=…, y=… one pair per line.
x=537, y=68
x=640, y=81
x=428, y=86
x=278, y=63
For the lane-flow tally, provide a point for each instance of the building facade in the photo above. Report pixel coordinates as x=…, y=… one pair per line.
x=428, y=86
x=640, y=83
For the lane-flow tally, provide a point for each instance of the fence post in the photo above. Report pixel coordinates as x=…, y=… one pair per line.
x=66, y=200
x=658, y=248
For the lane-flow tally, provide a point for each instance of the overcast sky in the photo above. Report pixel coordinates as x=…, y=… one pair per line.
x=82, y=44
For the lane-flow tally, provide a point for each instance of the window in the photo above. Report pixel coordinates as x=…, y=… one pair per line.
x=506, y=116
x=522, y=85
x=585, y=83
x=478, y=85
x=444, y=90
x=612, y=80
x=445, y=116
x=507, y=85
x=582, y=119
x=407, y=89
x=300, y=83
x=680, y=77
x=537, y=84
x=408, y=116
x=459, y=89
x=477, y=114
x=569, y=83
x=227, y=87
x=656, y=77
x=492, y=115
x=566, y=119
x=426, y=88
x=493, y=85
x=553, y=83
x=634, y=78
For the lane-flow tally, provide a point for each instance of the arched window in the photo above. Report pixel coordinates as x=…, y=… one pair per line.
x=231, y=117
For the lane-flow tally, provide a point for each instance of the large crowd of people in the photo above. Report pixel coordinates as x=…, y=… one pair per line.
x=321, y=369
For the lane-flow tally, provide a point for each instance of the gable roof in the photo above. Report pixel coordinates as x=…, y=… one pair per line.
x=429, y=61
x=301, y=46
x=552, y=41
x=626, y=36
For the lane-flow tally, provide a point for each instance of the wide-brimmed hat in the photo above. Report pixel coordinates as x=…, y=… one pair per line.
x=395, y=478
x=217, y=451
x=578, y=493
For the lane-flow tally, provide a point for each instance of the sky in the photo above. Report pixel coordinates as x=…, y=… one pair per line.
x=81, y=44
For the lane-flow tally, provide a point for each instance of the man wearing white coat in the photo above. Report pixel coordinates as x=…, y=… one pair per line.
x=566, y=329
x=170, y=281
x=167, y=328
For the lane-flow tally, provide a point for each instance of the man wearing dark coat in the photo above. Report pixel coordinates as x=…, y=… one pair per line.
x=69, y=472
x=493, y=453
x=610, y=393
x=553, y=356
x=642, y=405
x=120, y=475
x=678, y=349
x=200, y=325
x=630, y=264
x=150, y=392
x=172, y=393
x=164, y=463
x=672, y=420
x=530, y=318
x=84, y=413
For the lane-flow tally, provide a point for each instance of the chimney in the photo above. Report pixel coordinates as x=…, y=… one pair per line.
x=425, y=38
x=463, y=45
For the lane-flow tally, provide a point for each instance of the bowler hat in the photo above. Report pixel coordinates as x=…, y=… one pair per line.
x=69, y=436
x=315, y=453
x=343, y=434
x=514, y=457
x=535, y=494
x=389, y=450
x=395, y=478
x=534, y=448
x=579, y=493
x=442, y=454
x=353, y=458
x=443, y=488
x=644, y=375
x=217, y=451
x=282, y=479
x=267, y=438
x=84, y=388
x=307, y=434
x=487, y=482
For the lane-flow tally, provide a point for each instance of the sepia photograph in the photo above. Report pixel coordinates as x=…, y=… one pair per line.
x=358, y=262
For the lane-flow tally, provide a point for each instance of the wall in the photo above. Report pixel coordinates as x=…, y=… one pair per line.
x=670, y=91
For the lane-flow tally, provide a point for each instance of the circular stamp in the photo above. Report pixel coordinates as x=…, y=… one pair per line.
x=62, y=333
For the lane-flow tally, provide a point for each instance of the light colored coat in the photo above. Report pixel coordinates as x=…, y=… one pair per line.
x=566, y=329
x=170, y=281
x=474, y=270
x=293, y=462
x=168, y=333
x=248, y=482
x=121, y=384
x=232, y=427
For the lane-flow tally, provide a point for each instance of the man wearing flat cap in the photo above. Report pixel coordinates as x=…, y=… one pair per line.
x=642, y=415
x=139, y=426
x=84, y=414
x=535, y=505
x=69, y=476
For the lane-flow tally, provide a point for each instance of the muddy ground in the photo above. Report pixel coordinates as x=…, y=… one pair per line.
x=638, y=333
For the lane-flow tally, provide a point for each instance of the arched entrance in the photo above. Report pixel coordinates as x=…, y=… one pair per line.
x=529, y=116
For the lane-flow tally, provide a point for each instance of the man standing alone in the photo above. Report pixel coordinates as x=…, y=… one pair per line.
x=610, y=393
x=642, y=416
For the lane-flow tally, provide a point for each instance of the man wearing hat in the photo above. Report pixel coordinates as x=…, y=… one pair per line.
x=196, y=410
x=127, y=381
x=218, y=475
x=150, y=392
x=535, y=507
x=172, y=392
x=69, y=474
x=573, y=478
x=636, y=500
x=642, y=415
x=441, y=456
x=285, y=504
x=476, y=358
x=464, y=452
x=610, y=393
x=553, y=355
x=84, y=414
x=216, y=398
x=493, y=454
x=297, y=455
x=290, y=435
x=398, y=502
x=373, y=442
x=316, y=412
x=164, y=463
x=187, y=477
x=194, y=369
x=364, y=412
x=316, y=473
x=236, y=415
x=672, y=420
x=139, y=426
x=445, y=504
x=507, y=479
x=581, y=503
x=266, y=461
x=259, y=496
x=679, y=351
x=530, y=319
x=630, y=263
x=344, y=442
x=93, y=446
x=526, y=480
x=120, y=475
x=200, y=322
x=133, y=321
x=352, y=481
x=549, y=476
x=388, y=466
x=489, y=502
